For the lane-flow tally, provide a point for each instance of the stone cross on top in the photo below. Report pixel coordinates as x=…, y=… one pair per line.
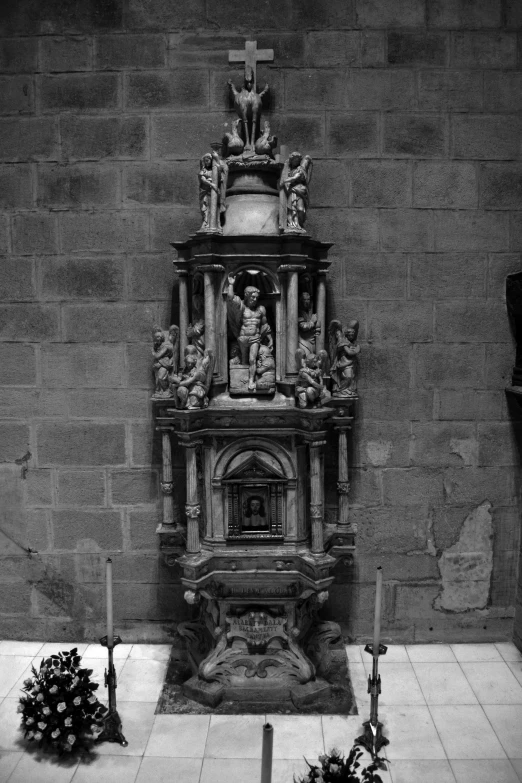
x=250, y=55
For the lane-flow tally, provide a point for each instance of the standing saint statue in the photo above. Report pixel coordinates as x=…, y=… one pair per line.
x=295, y=181
x=344, y=358
x=249, y=325
x=213, y=174
x=307, y=324
x=196, y=329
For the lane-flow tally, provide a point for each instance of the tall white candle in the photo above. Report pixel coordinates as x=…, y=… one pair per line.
x=110, y=627
x=377, y=621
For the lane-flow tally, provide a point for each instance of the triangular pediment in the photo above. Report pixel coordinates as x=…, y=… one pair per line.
x=254, y=467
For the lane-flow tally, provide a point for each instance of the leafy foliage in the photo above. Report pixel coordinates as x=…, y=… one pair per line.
x=60, y=708
x=336, y=769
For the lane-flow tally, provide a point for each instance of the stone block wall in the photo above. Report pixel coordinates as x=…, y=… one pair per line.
x=411, y=110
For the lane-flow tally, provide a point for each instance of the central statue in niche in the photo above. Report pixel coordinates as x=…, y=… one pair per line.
x=248, y=385
x=248, y=323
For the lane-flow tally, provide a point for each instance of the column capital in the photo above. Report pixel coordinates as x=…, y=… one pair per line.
x=210, y=268
x=291, y=268
x=181, y=272
x=185, y=439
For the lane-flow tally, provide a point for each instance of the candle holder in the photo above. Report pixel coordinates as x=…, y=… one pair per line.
x=373, y=739
x=112, y=722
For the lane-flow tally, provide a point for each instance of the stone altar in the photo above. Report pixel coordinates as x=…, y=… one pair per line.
x=256, y=555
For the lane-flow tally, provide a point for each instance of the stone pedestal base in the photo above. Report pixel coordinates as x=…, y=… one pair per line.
x=239, y=374
x=260, y=655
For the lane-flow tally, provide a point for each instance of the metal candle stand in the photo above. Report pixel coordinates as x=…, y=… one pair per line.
x=266, y=758
x=373, y=739
x=112, y=728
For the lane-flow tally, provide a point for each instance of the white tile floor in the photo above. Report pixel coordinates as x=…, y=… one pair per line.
x=453, y=714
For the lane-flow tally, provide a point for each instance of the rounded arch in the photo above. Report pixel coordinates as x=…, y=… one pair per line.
x=255, y=274
x=245, y=445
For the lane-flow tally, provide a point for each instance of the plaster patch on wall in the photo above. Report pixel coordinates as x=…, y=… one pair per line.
x=379, y=452
x=466, y=449
x=466, y=566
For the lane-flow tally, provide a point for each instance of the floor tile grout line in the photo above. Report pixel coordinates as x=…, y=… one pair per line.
x=206, y=736
x=438, y=733
x=492, y=727
x=419, y=684
x=513, y=768
x=412, y=646
x=16, y=765
x=490, y=662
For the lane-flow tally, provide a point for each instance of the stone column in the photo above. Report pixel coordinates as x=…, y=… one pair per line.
x=292, y=306
x=183, y=311
x=211, y=313
x=316, y=497
x=214, y=197
x=166, y=478
x=343, y=485
x=321, y=310
x=192, y=507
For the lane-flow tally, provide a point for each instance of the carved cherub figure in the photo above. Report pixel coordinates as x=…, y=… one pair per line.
x=266, y=143
x=344, y=357
x=295, y=184
x=247, y=103
x=193, y=383
x=265, y=369
x=249, y=325
x=309, y=387
x=165, y=352
x=235, y=144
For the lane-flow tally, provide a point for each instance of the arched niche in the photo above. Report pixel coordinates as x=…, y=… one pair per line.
x=256, y=484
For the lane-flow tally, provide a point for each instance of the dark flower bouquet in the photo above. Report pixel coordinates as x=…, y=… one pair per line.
x=60, y=708
x=336, y=769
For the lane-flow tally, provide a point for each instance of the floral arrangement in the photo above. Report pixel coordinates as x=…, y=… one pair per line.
x=336, y=769
x=60, y=708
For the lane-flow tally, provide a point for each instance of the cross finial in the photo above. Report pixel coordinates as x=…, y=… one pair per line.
x=250, y=56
